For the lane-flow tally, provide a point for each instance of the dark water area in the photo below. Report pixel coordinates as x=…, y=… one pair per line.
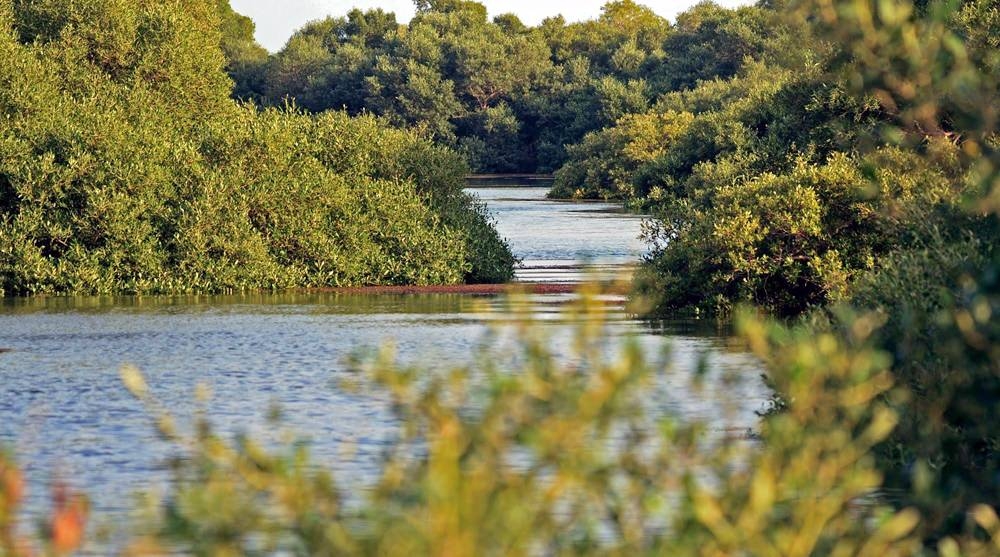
x=510, y=180
x=65, y=415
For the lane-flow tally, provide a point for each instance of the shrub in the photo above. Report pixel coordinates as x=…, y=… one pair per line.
x=939, y=305
x=788, y=242
x=127, y=169
x=604, y=164
x=938, y=297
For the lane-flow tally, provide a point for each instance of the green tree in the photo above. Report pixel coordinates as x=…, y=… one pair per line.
x=128, y=168
x=245, y=58
x=605, y=164
x=709, y=41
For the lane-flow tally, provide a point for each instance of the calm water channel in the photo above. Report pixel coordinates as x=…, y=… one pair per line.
x=63, y=410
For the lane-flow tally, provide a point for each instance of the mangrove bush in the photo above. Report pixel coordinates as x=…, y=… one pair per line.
x=127, y=168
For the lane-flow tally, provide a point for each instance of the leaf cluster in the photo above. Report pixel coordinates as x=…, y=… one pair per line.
x=127, y=168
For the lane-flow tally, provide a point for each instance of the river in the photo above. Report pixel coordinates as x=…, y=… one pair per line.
x=65, y=414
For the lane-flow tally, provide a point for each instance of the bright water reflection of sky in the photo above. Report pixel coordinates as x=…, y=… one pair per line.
x=277, y=19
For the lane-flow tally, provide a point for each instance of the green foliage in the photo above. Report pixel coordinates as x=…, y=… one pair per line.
x=439, y=175
x=755, y=195
x=711, y=42
x=605, y=163
x=127, y=168
x=786, y=183
x=979, y=23
x=860, y=165
x=939, y=299
x=171, y=50
x=508, y=96
x=244, y=57
x=939, y=305
x=791, y=241
x=761, y=121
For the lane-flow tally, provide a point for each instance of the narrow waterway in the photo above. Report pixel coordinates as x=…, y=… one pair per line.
x=65, y=414
x=565, y=242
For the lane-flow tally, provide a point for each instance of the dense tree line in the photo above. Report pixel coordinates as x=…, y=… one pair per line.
x=771, y=176
x=127, y=168
x=853, y=172
x=784, y=184
x=508, y=96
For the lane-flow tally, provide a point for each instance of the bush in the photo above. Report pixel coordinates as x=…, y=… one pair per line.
x=789, y=242
x=938, y=297
x=127, y=169
x=939, y=305
x=604, y=164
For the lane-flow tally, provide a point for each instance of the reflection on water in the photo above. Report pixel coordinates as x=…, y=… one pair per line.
x=563, y=242
x=62, y=406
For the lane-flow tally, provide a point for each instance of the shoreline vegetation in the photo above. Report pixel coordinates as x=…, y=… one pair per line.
x=824, y=172
x=511, y=176
x=472, y=289
x=129, y=169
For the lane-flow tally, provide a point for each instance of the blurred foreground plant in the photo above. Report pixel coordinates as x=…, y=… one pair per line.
x=564, y=455
x=935, y=69
x=61, y=534
x=573, y=458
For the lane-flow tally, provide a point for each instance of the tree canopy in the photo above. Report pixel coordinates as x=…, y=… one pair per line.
x=510, y=97
x=128, y=168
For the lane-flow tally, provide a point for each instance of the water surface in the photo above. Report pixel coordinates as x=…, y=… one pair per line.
x=558, y=240
x=63, y=408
